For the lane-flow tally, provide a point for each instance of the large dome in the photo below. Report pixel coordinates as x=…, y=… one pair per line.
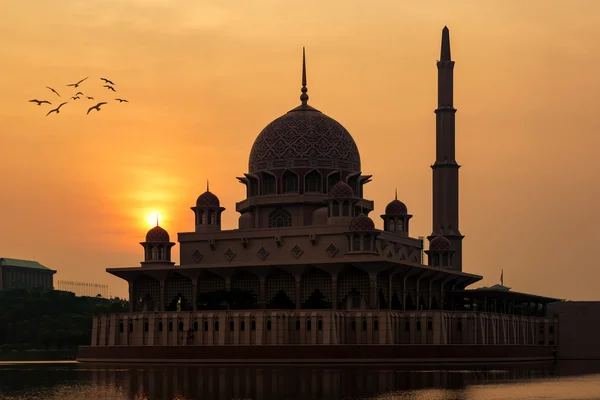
x=304, y=137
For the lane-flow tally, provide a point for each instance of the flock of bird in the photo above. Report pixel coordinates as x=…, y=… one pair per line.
x=109, y=85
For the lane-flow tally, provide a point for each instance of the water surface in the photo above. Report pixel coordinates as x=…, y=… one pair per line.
x=73, y=381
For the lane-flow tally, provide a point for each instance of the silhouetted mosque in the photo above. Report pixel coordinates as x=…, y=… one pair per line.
x=307, y=266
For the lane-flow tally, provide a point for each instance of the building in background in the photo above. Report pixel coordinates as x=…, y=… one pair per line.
x=15, y=273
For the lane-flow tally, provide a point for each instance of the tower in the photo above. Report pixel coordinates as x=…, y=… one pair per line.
x=445, y=167
x=157, y=247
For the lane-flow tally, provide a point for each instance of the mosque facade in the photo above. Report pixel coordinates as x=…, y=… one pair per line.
x=306, y=269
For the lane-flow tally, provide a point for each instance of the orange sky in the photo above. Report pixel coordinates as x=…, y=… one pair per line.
x=204, y=77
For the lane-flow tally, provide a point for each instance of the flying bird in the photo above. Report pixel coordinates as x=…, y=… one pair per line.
x=90, y=98
x=78, y=93
x=57, y=109
x=77, y=84
x=39, y=102
x=122, y=100
x=53, y=91
x=109, y=87
x=75, y=97
x=97, y=107
x=107, y=81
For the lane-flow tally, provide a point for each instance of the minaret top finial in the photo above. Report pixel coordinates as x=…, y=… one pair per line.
x=207, y=186
x=396, y=195
x=445, y=55
x=156, y=219
x=304, y=96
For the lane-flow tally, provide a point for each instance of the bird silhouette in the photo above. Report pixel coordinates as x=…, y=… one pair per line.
x=90, y=98
x=97, y=107
x=75, y=97
x=57, y=109
x=53, y=91
x=122, y=100
x=109, y=87
x=39, y=102
x=77, y=84
x=107, y=81
x=78, y=93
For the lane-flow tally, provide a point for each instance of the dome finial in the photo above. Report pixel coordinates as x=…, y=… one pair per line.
x=304, y=96
x=156, y=219
x=396, y=195
x=207, y=186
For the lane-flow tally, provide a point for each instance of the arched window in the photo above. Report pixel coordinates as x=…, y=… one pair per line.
x=280, y=218
x=161, y=252
x=297, y=324
x=407, y=325
x=203, y=216
x=335, y=209
x=392, y=225
x=253, y=325
x=216, y=326
x=242, y=326
x=345, y=209
x=170, y=326
x=154, y=253
x=332, y=180
x=355, y=242
x=160, y=326
x=195, y=326
x=121, y=327
x=353, y=325
x=364, y=324
x=429, y=325
x=269, y=185
x=290, y=182
x=459, y=326
x=269, y=325
x=145, y=326
x=199, y=217
x=231, y=325
x=308, y=325
x=400, y=226
x=211, y=217
x=312, y=182
x=418, y=325
x=180, y=326
x=367, y=243
x=131, y=327
x=253, y=182
x=376, y=325
x=320, y=325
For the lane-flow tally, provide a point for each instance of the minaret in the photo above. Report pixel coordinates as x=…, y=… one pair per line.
x=445, y=168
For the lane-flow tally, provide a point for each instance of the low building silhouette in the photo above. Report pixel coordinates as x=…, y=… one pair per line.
x=25, y=274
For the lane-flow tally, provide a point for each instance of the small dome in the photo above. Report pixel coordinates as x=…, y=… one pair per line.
x=396, y=207
x=341, y=190
x=208, y=199
x=157, y=234
x=361, y=223
x=440, y=243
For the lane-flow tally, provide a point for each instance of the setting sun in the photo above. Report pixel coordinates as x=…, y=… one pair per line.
x=154, y=218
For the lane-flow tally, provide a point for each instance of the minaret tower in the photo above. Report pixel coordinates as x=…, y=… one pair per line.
x=445, y=168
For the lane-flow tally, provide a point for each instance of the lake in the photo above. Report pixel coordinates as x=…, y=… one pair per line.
x=73, y=381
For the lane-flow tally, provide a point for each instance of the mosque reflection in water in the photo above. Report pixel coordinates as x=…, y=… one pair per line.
x=186, y=383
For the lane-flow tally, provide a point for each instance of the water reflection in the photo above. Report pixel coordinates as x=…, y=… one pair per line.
x=153, y=382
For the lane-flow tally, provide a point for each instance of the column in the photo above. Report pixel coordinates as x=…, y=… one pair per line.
x=162, y=295
x=131, y=299
x=297, y=279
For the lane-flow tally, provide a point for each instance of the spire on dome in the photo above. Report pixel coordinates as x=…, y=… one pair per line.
x=445, y=54
x=304, y=96
x=156, y=219
x=396, y=194
x=207, y=186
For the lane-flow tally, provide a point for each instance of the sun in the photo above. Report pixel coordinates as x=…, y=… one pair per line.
x=153, y=217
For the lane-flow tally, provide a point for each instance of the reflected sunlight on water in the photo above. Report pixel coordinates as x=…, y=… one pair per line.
x=160, y=382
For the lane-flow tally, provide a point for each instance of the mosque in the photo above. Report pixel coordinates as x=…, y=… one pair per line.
x=306, y=275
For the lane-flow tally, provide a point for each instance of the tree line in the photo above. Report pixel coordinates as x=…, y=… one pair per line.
x=44, y=320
